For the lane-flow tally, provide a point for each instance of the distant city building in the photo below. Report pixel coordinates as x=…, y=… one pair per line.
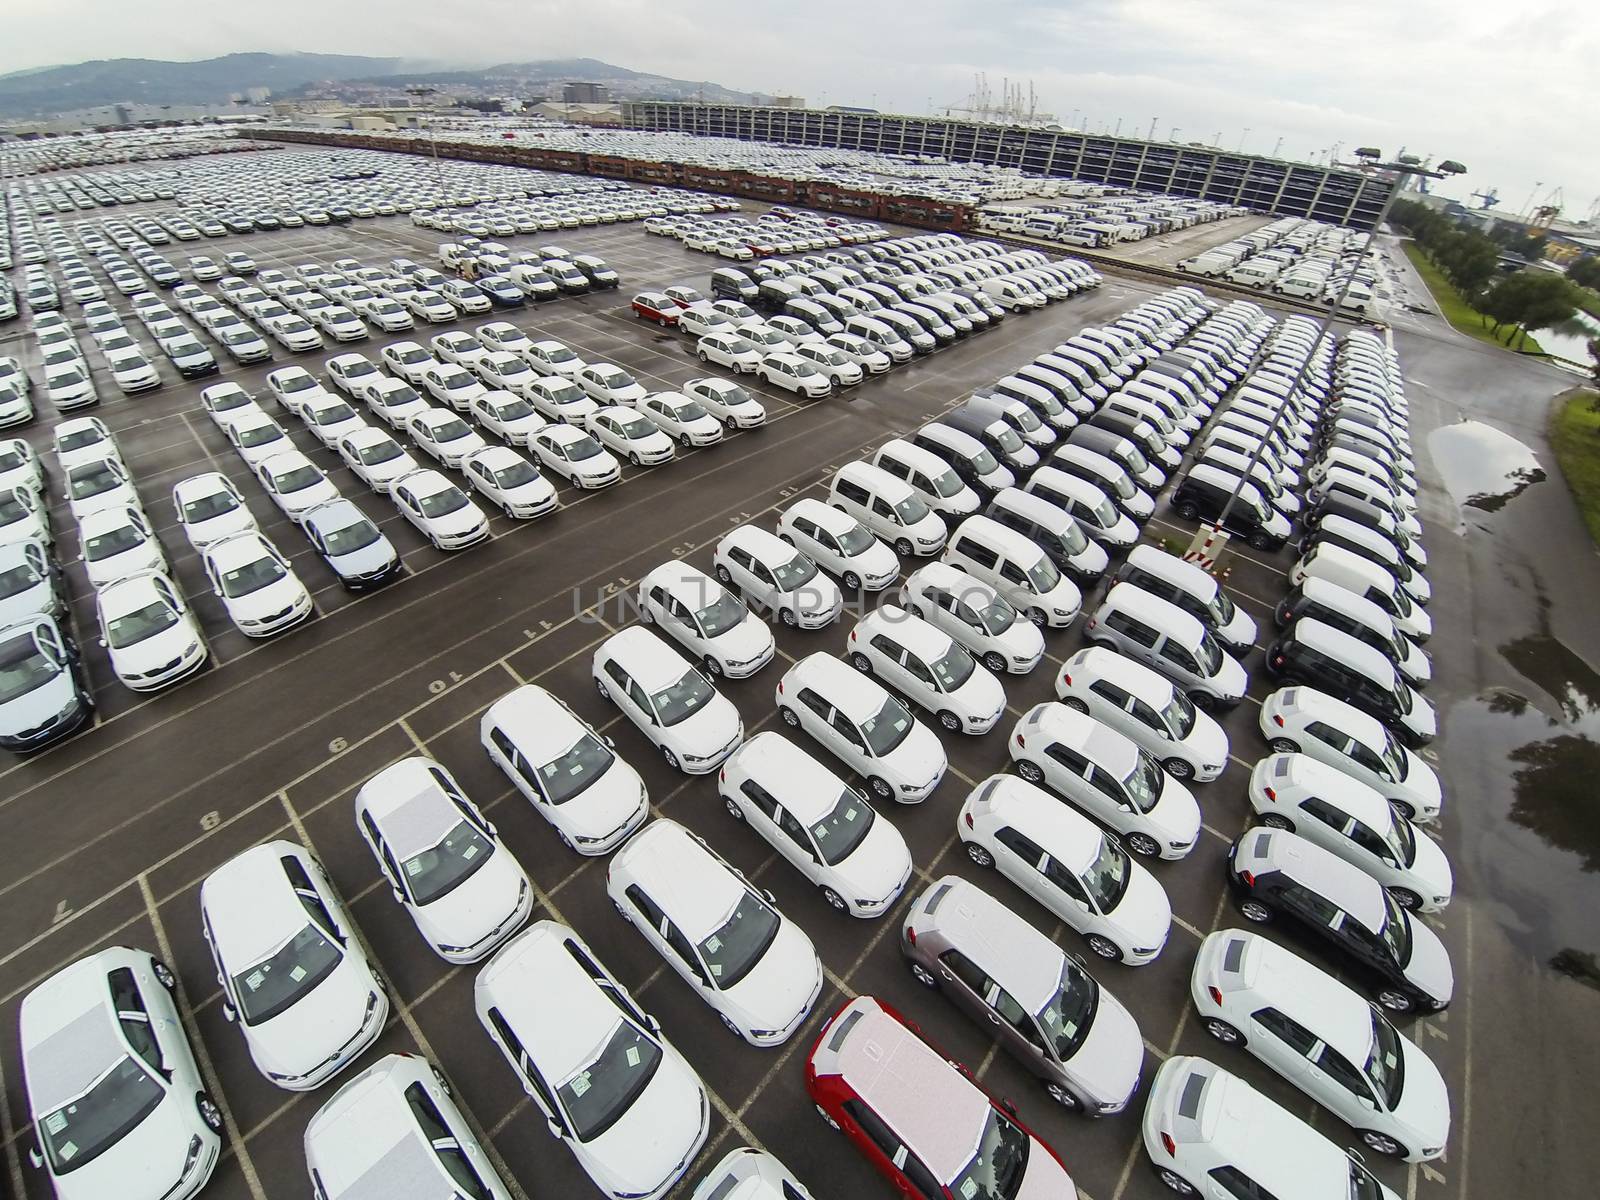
x=124, y=113
x=788, y=102
x=581, y=114
x=258, y=95
x=510, y=104
x=585, y=93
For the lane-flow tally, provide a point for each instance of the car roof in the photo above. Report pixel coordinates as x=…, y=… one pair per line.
x=1287, y=982
x=1014, y=545
x=261, y=906
x=1148, y=685
x=1345, y=648
x=368, y=1143
x=70, y=1015
x=1319, y=706
x=409, y=803
x=1279, y=1151
x=1265, y=849
x=936, y=1112
x=531, y=708
x=1132, y=599
x=829, y=518
x=1069, y=837
x=857, y=697
x=760, y=544
x=1174, y=570
x=1303, y=773
x=555, y=1008
x=997, y=939
x=246, y=546
x=1335, y=596
x=1100, y=743
x=802, y=784
x=695, y=888
x=928, y=642
x=650, y=660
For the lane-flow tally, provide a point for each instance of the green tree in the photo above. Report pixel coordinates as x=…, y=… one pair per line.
x=1585, y=272
x=1529, y=300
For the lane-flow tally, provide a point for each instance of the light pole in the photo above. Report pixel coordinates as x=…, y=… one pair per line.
x=433, y=138
x=1210, y=540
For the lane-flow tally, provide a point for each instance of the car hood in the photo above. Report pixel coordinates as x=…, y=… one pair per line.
x=1176, y=812
x=920, y=759
x=463, y=520
x=1420, y=783
x=1145, y=914
x=1424, y=1100
x=982, y=693
x=819, y=594
x=310, y=1031
x=146, y=1164
x=1107, y=1064
x=781, y=984
x=366, y=560
x=1417, y=623
x=1241, y=630
x=1093, y=557
x=659, y=1130
x=24, y=604
x=1231, y=680
x=465, y=915
x=1431, y=868
x=749, y=639
x=875, y=562
x=1421, y=720
x=1416, y=665
x=270, y=599
x=878, y=864
x=1208, y=739
x=1429, y=969
x=213, y=528
x=164, y=647
x=32, y=709
x=1046, y=1178
x=710, y=729
x=1023, y=640
x=1140, y=504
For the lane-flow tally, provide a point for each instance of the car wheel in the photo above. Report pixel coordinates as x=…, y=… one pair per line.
x=1187, y=509
x=950, y=722
x=601, y=688
x=1284, y=746
x=209, y=1112
x=835, y=901
x=904, y=548
x=633, y=457
x=734, y=810
x=732, y=1028
x=851, y=580
x=712, y=666
x=994, y=660
x=444, y=1084
x=1143, y=845
x=1104, y=947
x=1254, y=910
x=1406, y=898
x=861, y=663
x=1223, y=1032
x=1063, y=1097
x=1178, y=768
x=1175, y=1181
x=880, y=787
x=826, y=1119
x=672, y=759
x=789, y=718
x=1030, y=771
x=1395, y=1001
x=1076, y=704
x=1405, y=808
x=787, y=617
x=786, y=539
x=565, y=840
x=1262, y=540
x=164, y=975
x=701, y=355
x=686, y=443
x=1278, y=821
x=1382, y=1143
x=979, y=855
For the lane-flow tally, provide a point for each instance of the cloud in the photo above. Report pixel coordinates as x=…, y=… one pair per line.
x=1510, y=90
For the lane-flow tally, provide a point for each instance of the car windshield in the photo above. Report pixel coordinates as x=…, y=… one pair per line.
x=691, y=411
x=298, y=479
x=1006, y=437
x=855, y=540
x=1108, y=875
x=584, y=762
x=513, y=410
x=17, y=580
x=556, y=354
x=112, y=543
x=443, y=502
x=996, y=1170
x=886, y=729
x=1386, y=1065
x=1143, y=784
x=911, y=510
x=252, y=576
x=1394, y=757
x=839, y=833
x=440, y=869
x=1209, y=654
x=946, y=484
x=954, y=669
x=795, y=573
x=275, y=983
x=296, y=383
x=451, y=430
x=93, y=480
x=683, y=699
x=583, y=447
x=616, y=379
x=259, y=435
x=1179, y=714
x=1068, y=1016
x=1106, y=513
x=12, y=509
x=722, y=614
x=1221, y=608
x=23, y=667
x=733, y=950
x=996, y=616
x=1043, y=576
x=379, y=452
x=133, y=627
x=1396, y=930
x=357, y=535
x=66, y=378
x=596, y=1096
x=80, y=1131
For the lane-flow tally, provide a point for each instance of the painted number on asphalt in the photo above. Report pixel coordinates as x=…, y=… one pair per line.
x=439, y=685
x=210, y=820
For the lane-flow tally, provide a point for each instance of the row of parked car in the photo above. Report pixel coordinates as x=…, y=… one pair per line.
x=776, y=231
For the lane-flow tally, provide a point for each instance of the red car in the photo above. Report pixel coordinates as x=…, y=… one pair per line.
x=657, y=307
x=921, y=1120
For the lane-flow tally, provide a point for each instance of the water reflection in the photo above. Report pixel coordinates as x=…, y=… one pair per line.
x=1555, y=794
x=1481, y=466
x=1579, y=965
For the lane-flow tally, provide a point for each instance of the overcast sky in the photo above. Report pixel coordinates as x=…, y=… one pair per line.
x=1510, y=89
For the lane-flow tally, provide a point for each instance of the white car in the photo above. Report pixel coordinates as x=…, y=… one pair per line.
x=700, y=320
x=777, y=578
x=750, y=1174
x=1107, y=776
x=439, y=510
x=294, y=386
x=131, y=371
x=693, y=725
x=1065, y=862
x=1325, y=1039
x=104, y=483
x=69, y=386
x=444, y=436
x=330, y=419
x=508, y=481
x=428, y=305
x=824, y=828
x=631, y=435
x=595, y=1065
x=707, y=620
x=385, y=313
x=561, y=399
x=243, y=344
x=375, y=458
x=148, y=631
x=294, y=977
x=24, y=518
x=682, y=419
x=575, y=456
x=452, y=385
x=15, y=407
x=606, y=383
x=727, y=349
x=794, y=374
x=19, y=467
x=1148, y=708
x=394, y=401
x=1350, y=819
x=82, y=440
x=793, y=330
x=861, y=352
x=507, y=415
x=1302, y=720
x=257, y=438
x=342, y=325
x=975, y=615
x=833, y=362
x=503, y=335
x=925, y=664
x=397, y=1119
x=294, y=483
x=118, y=1104
x=408, y=361
x=293, y=332
x=505, y=371
x=257, y=587
x=354, y=374
x=727, y=402
x=572, y=775
x=460, y=348
x=754, y=967
x=210, y=508
x=864, y=726
x=118, y=541
x=552, y=358
x=442, y=860
x=839, y=543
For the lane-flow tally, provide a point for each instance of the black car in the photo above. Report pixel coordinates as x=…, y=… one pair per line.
x=501, y=291
x=1203, y=495
x=1274, y=874
x=1352, y=670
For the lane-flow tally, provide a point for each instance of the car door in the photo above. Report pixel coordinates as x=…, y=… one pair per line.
x=1019, y=858
x=1109, y=703
x=1070, y=900
x=755, y=578
x=890, y=663
x=1067, y=771
x=1283, y=1043
x=681, y=624
x=853, y=744
x=794, y=842
x=816, y=715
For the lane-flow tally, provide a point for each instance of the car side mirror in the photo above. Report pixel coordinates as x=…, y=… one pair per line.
x=770, y=898
x=35, y=1157
x=229, y=1013
x=1009, y=1108
x=555, y=1129
x=653, y=1024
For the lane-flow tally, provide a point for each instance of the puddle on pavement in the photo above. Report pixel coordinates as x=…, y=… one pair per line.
x=1481, y=466
x=1571, y=682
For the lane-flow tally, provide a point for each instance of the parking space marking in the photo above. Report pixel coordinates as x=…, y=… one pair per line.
x=9, y=1131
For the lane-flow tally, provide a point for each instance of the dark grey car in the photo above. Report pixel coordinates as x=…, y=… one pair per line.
x=351, y=544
